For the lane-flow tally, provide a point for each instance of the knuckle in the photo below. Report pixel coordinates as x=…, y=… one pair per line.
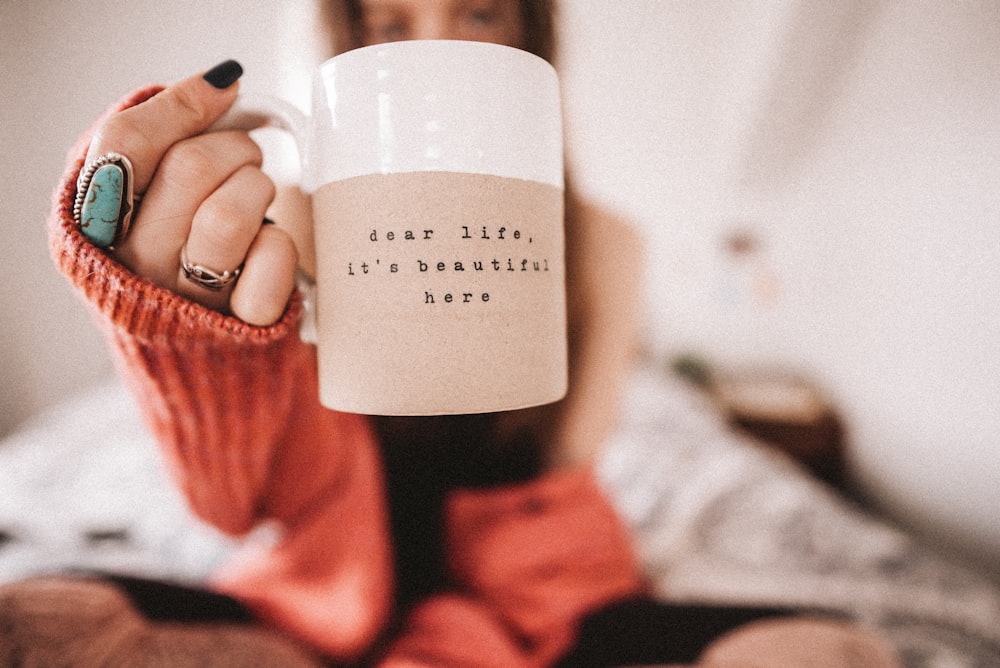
x=190, y=155
x=261, y=295
x=181, y=102
x=264, y=186
x=187, y=163
x=125, y=133
x=225, y=220
x=191, y=162
x=280, y=241
x=248, y=147
x=233, y=211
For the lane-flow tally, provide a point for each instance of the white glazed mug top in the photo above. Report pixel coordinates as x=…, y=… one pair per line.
x=409, y=106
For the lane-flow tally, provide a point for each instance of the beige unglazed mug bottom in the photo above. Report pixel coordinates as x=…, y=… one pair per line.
x=447, y=297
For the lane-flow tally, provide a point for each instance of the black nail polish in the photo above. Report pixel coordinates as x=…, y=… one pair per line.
x=224, y=74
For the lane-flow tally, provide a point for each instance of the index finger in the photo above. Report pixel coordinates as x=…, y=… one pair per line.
x=144, y=132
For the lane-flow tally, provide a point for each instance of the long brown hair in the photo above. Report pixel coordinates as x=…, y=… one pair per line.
x=342, y=21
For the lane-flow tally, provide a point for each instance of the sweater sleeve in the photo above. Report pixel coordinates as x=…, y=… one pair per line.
x=217, y=392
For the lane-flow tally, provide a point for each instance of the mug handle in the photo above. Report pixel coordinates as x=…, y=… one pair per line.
x=252, y=111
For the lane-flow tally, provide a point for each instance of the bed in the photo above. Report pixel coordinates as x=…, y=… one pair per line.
x=718, y=519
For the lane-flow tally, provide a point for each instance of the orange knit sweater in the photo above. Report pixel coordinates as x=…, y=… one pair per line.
x=235, y=409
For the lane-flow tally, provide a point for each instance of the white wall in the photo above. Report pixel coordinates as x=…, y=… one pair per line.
x=859, y=144
x=855, y=142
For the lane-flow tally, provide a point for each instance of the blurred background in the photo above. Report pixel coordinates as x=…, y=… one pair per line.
x=817, y=184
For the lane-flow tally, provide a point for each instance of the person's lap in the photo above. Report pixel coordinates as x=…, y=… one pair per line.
x=93, y=620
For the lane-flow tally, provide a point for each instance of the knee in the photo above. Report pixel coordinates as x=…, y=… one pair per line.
x=798, y=642
x=61, y=621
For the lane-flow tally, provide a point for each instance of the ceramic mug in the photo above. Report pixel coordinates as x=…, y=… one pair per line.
x=436, y=175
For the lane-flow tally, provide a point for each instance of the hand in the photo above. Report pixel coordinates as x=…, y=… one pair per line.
x=205, y=191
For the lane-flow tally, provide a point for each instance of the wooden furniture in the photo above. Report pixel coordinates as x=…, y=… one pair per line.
x=788, y=413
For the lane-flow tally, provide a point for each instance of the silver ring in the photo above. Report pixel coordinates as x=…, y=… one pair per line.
x=205, y=277
x=105, y=201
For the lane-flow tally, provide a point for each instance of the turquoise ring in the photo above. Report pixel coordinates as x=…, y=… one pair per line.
x=105, y=200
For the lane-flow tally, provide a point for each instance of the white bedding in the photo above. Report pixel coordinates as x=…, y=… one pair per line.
x=84, y=488
x=716, y=518
x=720, y=519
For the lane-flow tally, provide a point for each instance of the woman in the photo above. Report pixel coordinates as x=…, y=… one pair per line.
x=463, y=540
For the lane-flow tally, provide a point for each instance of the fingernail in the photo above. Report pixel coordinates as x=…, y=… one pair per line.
x=224, y=74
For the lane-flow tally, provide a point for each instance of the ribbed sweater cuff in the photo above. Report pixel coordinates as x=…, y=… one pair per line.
x=216, y=391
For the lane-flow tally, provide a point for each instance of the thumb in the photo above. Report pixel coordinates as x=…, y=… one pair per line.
x=188, y=108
